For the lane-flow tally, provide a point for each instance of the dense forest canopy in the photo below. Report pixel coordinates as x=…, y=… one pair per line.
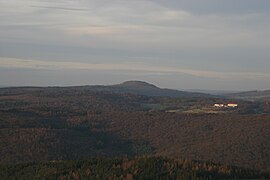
x=56, y=124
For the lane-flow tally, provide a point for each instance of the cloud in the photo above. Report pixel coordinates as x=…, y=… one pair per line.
x=133, y=67
x=107, y=30
x=92, y=30
x=61, y=8
x=126, y=23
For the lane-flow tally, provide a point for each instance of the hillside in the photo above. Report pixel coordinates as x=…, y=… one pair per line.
x=45, y=124
x=143, y=88
x=251, y=95
x=128, y=168
x=132, y=87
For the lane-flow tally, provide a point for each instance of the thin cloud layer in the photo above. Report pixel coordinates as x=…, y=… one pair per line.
x=141, y=68
x=145, y=20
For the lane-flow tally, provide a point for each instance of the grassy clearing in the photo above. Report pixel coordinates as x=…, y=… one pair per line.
x=196, y=111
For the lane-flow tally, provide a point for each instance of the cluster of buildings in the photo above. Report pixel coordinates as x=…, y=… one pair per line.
x=232, y=105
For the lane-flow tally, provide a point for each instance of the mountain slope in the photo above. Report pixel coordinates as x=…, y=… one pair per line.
x=131, y=87
x=143, y=88
x=251, y=95
x=43, y=124
x=127, y=168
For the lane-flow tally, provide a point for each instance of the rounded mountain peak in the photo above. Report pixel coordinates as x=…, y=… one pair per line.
x=138, y=84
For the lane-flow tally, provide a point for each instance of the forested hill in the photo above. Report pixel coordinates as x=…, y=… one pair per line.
x=128, y=169
x=69, y=123
x=251, y=95
x=143, y=88
x=132, y=87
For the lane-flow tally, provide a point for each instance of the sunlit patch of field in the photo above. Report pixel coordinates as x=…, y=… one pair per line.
x=196, y=111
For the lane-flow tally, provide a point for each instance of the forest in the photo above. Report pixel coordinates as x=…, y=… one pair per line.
x=51, y=128
x=127, y=169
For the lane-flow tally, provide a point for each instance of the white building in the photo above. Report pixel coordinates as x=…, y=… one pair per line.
x=232, y=105
x=219, y=105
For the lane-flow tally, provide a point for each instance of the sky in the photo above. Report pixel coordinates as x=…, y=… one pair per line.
x=180, y=44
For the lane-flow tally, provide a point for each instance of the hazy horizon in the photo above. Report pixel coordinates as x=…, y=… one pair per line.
x=178, y=44
x=207, y=91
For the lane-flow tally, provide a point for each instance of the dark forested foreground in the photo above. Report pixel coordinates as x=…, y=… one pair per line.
x=128, y=168
x=55, y=124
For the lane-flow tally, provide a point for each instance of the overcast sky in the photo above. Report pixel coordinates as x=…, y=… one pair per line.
x=181, y=44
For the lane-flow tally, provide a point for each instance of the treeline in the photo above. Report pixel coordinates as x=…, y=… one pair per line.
x=128, y=168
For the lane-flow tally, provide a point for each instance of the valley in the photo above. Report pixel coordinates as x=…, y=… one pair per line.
x=55, y=124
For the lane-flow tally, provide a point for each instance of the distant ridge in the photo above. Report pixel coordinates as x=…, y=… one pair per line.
x=147, y=89
x=132, y=87
x=251, y=95
x=213, y=92
x=137, y=84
